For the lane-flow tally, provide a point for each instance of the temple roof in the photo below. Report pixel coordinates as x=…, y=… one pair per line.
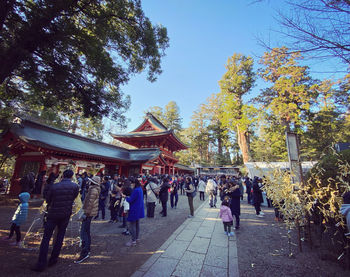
x=151, y=127
x=151, y=120
x=47, y=137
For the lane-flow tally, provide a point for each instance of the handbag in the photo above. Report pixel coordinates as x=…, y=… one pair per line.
x=157, y=196
x=193, y=194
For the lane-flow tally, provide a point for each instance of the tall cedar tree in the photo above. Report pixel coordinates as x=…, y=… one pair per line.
x=237, y=82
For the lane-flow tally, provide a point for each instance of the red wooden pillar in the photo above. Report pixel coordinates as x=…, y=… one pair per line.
x=15, y=188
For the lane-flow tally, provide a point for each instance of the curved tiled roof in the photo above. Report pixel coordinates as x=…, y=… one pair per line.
x=51, y=138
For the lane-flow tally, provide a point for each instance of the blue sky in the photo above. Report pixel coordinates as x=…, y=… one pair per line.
x=203, y=34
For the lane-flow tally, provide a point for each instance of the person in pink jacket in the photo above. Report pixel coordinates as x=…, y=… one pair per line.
x=226, y=216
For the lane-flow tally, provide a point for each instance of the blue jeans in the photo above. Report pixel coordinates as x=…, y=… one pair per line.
x=134, y=228
x=85, y=236
x=212, y=198
x=49, y=227
x=172, y=196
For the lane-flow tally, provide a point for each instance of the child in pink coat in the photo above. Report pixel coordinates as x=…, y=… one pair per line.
x=226, y=216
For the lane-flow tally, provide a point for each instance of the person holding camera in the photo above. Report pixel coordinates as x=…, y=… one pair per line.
x=60, y=198
x=90, y=208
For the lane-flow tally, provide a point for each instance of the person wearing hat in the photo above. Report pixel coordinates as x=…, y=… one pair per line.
x=90, y=208
x=60, y=198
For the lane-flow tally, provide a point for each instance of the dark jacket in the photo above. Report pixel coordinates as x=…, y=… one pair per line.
x=60, y=198
x=257, y=193
x=163, y=192
x=104, y=190
x=235, y=203
x=27, y=183
x=248, y=185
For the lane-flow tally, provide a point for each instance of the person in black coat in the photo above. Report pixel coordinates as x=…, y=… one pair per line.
x=234, y=194
x=248, y=185
x=164, y=195
x=59, y=198
x=49, y=182
x=27, y=182
x=258, y=198
x=39, y=182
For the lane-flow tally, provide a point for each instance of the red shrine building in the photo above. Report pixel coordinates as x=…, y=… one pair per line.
x=39, y=147
x=150, y=134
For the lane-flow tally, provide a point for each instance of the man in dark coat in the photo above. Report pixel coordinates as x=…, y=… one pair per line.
x=164, y=195
x=257, y=197
x=235, y=204
x=59, y=198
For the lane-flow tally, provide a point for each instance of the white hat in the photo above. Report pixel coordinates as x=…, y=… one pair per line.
x=95, y=179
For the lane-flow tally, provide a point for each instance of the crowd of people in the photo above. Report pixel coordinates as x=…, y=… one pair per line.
x=126, y=199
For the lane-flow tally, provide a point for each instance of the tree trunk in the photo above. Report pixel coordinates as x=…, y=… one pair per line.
x=244, y=144
x=220, y=146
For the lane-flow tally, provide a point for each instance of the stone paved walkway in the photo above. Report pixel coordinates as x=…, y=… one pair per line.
x=198, y=247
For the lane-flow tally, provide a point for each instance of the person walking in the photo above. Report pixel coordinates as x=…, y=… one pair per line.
x=164, y=195
x=201, y=188
x=136, y=212
x=59, y=198
x=211, y=190
x=152, y=190
x=191, y=193
x=90, y=208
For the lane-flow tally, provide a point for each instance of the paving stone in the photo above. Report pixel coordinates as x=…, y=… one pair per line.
x=162, y=267
x=186, y=235
x=217, y=256
x=179, y=230
x=166, y=244
x=190, y=265
x=176, y=249
x=150, y=262
x=197, y=218
x=232, y=249
x=212, y=271
x=204, y=232
x=194, y=225
x=233, y=267
x=208, y=224
x=219, y=240
x=199, y=245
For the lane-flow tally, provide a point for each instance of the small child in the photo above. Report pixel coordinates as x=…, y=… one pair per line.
x=226, y=216
x=19, y=218
x=127, y=192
